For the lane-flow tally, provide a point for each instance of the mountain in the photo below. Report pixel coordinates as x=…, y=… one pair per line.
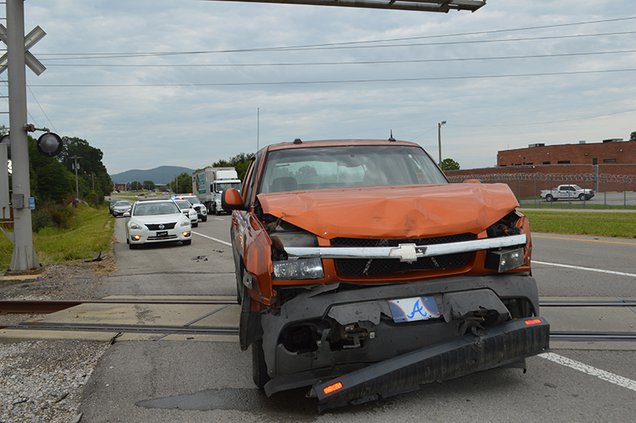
x=158, y=175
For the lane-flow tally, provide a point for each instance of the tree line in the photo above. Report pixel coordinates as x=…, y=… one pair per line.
x=53, y=178
x=240, y=162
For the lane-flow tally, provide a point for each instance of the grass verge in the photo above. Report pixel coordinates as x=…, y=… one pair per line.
x=583, y=223
x=91, y=231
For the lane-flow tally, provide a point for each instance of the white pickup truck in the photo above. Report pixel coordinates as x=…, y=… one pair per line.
x=567, y=192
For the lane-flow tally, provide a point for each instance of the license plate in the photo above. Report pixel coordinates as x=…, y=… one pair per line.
x=162, y=233
x=413, y=309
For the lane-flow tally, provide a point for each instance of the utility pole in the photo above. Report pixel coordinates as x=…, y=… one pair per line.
x=76, y=167
x=439, y=140
x=24, y=257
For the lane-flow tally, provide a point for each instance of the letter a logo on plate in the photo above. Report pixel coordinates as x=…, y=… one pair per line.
x=413, y=309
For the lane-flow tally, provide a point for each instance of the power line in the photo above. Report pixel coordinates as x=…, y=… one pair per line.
x=339, y=63
x=41, y=108
x=421, y=37
x=333, y=81
x=90, y=56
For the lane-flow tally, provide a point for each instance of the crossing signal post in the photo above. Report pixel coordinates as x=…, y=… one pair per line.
x=24, y=258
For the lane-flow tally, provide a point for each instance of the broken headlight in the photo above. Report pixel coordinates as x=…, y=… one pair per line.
x=284, y=268
x=505, y=259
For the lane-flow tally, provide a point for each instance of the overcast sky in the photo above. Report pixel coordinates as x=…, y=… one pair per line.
x=178, y=82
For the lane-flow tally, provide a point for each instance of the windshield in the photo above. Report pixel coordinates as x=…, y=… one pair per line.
x=183, y=204
x=193, y=199
x=222, y=186
x=148, y=209
x=349, y=166
x=122, y=203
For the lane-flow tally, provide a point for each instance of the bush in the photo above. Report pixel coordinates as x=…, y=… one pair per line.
x=51, y=216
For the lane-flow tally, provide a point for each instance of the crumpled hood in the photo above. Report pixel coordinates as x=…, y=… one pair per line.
x=393, y=212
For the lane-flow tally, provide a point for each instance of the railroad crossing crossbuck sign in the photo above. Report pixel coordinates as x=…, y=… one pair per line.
x=32, y=37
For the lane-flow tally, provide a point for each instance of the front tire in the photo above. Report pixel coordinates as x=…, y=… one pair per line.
x=188, y=242
x=204, y=219
x=259, y=367
x=549, y=198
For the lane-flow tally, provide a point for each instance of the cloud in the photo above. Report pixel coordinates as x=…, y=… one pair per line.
x=181, y=122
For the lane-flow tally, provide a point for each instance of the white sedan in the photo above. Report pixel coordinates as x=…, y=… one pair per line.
x=187, y=209
x=157, y=221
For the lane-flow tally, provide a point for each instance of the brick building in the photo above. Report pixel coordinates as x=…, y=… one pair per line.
x=603, y=166
x=612, y=151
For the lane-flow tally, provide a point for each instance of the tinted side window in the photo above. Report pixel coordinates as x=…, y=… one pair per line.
x=249, y=182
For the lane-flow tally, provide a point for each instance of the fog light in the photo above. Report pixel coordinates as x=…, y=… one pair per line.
x=136, y=237
x=504, y=260
x=185, y=234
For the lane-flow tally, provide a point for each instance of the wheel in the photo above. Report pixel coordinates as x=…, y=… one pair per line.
x=582, y=197
x=259, y=368
x=217, y=211
x=204, y=219
x=132, y=246
x=549, y=198
x=188, y=242
x=194, y=225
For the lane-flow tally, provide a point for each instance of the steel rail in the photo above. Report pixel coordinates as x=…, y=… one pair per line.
x=577, y=336
x=51, y=306
x=591, y=336
x=578, y=303
x=97, y=327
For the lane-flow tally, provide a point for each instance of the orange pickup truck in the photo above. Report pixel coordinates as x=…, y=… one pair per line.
x=362, y=273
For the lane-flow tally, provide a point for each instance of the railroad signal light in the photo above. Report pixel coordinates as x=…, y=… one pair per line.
x=50, y=144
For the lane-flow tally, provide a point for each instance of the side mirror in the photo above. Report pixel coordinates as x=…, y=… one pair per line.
x=126, y=214
x=232, y=200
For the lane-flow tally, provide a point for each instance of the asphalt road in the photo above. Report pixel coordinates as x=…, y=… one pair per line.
x=165, y=381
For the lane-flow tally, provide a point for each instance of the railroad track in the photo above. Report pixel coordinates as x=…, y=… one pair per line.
x=44, y=307
x=51, y=306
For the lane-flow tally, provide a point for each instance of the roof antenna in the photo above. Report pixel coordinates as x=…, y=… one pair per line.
x=391, y=136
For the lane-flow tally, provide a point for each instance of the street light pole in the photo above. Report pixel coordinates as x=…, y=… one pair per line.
x=439, y=140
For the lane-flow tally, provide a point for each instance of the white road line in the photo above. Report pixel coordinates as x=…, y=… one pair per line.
x=589, y=269
x=592, y=371
x=213, y=239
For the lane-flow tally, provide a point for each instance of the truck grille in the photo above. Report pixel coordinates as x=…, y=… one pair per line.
x=387, y=267
x=155, y=226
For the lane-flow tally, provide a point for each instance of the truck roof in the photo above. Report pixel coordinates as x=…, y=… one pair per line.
x=335, y=142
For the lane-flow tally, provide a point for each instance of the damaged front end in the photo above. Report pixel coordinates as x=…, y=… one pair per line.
x=354, y=342
x=382, y=340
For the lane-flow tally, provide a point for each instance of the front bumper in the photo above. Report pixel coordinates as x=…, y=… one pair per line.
x=500, y=345
x=458, y=299
x=150, y=237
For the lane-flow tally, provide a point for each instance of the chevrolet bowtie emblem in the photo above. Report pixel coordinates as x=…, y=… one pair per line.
x=407, y=252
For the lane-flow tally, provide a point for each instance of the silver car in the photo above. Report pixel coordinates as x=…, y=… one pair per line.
x=120, y=207
x=198, y=206
x=157, y=221
x=188, y=210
